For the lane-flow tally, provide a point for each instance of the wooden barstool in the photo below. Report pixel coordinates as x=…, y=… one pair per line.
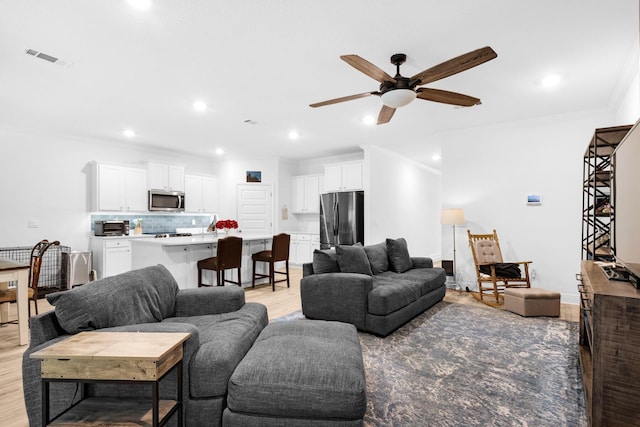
x=279, y=252
x=229, y=256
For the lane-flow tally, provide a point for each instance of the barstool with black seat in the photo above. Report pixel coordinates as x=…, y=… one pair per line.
x=279, y=252
x=229, y=256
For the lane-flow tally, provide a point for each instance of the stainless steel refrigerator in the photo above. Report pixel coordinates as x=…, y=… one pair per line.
x=341, y=218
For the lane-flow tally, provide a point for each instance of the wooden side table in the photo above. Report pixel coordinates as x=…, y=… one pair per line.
x=90, y=357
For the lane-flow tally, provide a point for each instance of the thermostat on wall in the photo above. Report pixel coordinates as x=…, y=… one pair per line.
x=534, y=199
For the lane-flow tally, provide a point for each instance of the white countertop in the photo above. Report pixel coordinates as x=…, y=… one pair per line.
x=196, y=239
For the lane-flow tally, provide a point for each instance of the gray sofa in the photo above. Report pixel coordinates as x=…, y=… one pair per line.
x=377, y=288
x=223, y=328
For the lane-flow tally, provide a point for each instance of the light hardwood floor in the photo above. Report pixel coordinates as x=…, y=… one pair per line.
x=279, y=303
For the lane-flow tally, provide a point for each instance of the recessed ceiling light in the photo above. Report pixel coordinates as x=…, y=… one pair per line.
x=129, y=133
x=294, y=135
x=199, y=106
x=219, y=151
x=368, y=120
x=436, y=157
x=140, y=4
x=550, y=81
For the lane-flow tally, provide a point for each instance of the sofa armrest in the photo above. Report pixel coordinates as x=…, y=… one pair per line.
x=422, y=262
x=307, y=269
x=336, y=296
x=213, y=300
x=44, y=327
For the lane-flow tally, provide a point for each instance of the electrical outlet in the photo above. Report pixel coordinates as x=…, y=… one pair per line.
x=533, y=274
x=193, y=221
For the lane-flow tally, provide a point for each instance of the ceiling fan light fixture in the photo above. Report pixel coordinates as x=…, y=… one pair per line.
x=398, y=97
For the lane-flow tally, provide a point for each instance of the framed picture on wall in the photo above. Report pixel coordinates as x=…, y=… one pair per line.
x=534, y=199
x=254, y=176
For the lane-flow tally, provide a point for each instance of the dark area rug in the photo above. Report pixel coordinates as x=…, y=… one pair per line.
x=461, y=365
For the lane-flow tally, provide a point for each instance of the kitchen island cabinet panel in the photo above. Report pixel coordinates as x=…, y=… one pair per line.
x=181, y=254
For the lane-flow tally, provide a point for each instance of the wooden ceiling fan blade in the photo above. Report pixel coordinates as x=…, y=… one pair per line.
x=367, y=68
x=455, y=65
x=385, y=114
x=342, y=99
x=446, y=97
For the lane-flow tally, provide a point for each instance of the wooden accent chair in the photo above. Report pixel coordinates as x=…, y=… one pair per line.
x=229, y=256
x=279, y=252
x=8, y=295
x=486, y=252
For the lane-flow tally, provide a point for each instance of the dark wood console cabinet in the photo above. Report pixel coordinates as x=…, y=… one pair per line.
x=609, y=348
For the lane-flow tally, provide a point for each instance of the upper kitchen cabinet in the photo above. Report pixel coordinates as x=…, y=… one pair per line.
x=343, y=176
x=165, y=177
x=200, y=193
x=306, y=190
x=118, y=188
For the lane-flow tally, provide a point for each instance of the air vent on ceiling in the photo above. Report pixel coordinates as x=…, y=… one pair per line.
x=49, y=58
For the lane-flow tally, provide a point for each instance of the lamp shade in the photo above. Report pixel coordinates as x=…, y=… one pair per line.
x=398, y=97
x=452, y=216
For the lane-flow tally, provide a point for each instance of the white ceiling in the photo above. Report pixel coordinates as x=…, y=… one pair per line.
x=265, y=61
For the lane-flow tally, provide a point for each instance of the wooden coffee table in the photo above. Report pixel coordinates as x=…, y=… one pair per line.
x=90, y=357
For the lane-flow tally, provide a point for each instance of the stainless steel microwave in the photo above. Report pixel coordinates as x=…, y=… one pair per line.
x=162, y=200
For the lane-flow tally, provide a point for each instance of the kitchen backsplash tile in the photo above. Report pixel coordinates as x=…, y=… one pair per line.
x=153, y=224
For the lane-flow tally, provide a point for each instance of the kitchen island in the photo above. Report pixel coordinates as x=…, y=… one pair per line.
x=181, y=254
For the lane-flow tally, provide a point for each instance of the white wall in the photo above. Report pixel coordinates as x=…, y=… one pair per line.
x=402, y=199
x=490, y=171
x=44, y=177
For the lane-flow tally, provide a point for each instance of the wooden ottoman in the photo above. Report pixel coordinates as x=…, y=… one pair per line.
x=532, y=302
x=299, y=373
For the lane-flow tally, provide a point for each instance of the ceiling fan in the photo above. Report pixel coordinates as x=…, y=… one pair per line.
x=399, y=91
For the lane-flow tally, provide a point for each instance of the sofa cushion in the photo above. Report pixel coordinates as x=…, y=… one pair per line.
x=427, y=278
x=398, y=253
x=391, y=294
x=353, y=259
x=224, y=340
x=325, y=261
x=138, y=296
x=301, y=372
x=378, y=259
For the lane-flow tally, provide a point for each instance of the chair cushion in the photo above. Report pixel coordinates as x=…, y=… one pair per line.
x=325, y=261
x=353, y=259
x=487, y=252
x=262, y=256
x=398, y=253
x=378, y=259
x=138, y=296
x=225, y=339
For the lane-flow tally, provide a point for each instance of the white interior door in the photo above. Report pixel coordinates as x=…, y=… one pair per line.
x=255, y=208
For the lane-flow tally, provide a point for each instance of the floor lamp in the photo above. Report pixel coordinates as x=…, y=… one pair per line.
x=453, y=217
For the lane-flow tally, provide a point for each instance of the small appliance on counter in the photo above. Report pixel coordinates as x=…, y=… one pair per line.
x=112, y=228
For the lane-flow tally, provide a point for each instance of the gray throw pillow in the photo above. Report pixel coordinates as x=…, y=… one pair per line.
x=377, y=255
x=137, y=296
x=325, y=261
x=353, y=259
x=399, y=258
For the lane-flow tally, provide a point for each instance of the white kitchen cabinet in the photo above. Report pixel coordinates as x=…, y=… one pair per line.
x=306, y=191
x=165, y=177
x=110, y=256
x=315, y=244
x=302, y=245
x=201, y=193
x=343, y=176
x=118, y=188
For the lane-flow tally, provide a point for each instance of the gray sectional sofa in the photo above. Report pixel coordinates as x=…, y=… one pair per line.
x=223, y=328
x=377, y=288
